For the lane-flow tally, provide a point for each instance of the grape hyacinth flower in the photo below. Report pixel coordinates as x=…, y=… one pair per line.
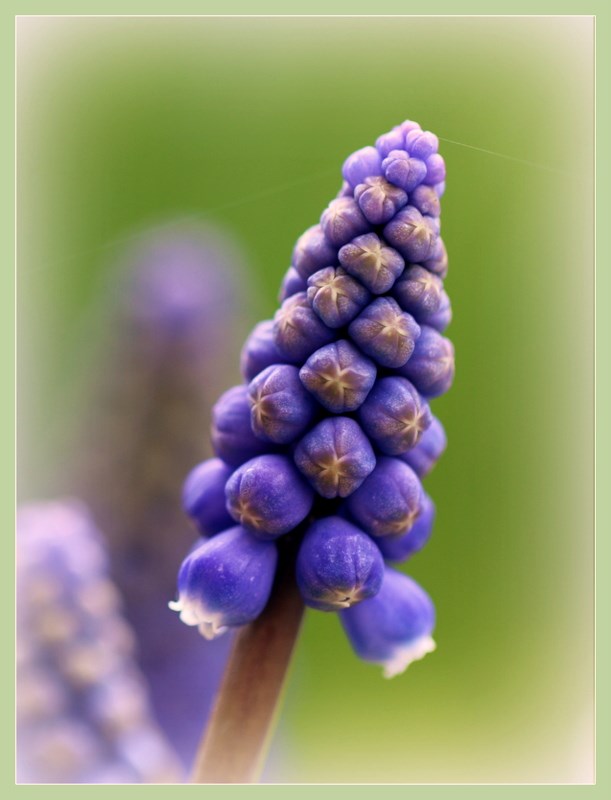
x=338, y=389
x=174, y=306
x=83, y=710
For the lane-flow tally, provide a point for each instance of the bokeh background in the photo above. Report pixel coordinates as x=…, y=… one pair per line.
x=128, y=124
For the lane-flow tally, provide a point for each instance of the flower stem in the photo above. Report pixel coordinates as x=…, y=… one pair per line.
x=233, y=746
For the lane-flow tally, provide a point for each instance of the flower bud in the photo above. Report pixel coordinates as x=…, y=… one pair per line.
x=393, y=140
x=345, y=190
x=385, y=333
x=292, y=283
x=312, y=252
x=418, y=291
x=388, y=502
x=374, y=264
x=341, y=221
x=400, y=548
x=435, y=170
x=259, y=350
x=338, y=565
x=338, y=376
x=268, y=496
x=394, y=415
x=379, y=200
x=426, y=200
x=282, y=409
x=437, y=262
x=335, y=296
x=423, y=457
x=393, y=628
x=233, y=439
x=411, y=234
x=203, y=496
x=421, y=144
x=401, y=170
x=298, y=331
x=431, y=367
x=226, y=582
x=361, y=165
x=335, y=456
x=443, y=316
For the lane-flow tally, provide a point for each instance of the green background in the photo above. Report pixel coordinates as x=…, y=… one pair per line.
x=128, y=123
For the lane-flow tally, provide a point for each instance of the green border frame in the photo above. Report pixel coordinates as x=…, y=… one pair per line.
x=603, y=365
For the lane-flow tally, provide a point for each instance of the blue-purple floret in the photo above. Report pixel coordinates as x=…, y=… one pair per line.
x=335, y=296
x=431, y=445
x=394, y=415
x=203, y=496
x=335, y=457
x=292, y=283
x=388, y=502
x=385, y=333
x=431, y=367
x=268, y=496
x=393, y=628
x=335, y=419
x=338, y=565
x=259, y=350
x=298, y=331
x=233, y=438
x=281, y=407
x=400, y=548
x=339, y=376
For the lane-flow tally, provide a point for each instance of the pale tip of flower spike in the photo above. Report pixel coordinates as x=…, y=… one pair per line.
x=403, y=656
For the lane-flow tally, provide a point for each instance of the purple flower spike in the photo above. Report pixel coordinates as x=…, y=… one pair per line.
x=443, y=316
x=438, y=261
x=412, y=235
x=338, y=376
x=421, y=144
x=401, y=170
x=203, y=496
x=400, y=548
x=372, y=262
x=393, y=628
x=385, y=333
x=335, y=457
x=341, y=221
x=268, y=496
x=435, y=170
x=282, y=409
x=394, y=415
x=232, y=437
x=338, y=565
x=431, y=367
x=419, y=292
x=423, y=457
x=393, y=140
x=388, y=502
x=292, y=283
x=312, y=252
x=361, y=165
x=336, y=297
x=426, y=200
x=226, y=582
x=298, y=331
x=379, y=200
x=259, y=350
